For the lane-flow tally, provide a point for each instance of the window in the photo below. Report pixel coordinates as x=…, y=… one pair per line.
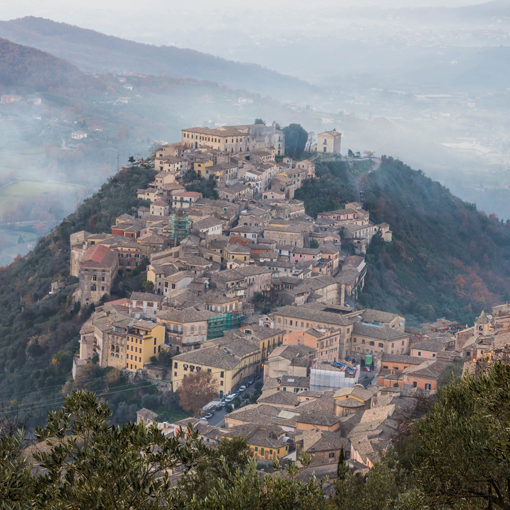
x=332, y=455
x=262, y=451
x=419, y=353
x=415, y=384
x=427, y=386
x=381, y=345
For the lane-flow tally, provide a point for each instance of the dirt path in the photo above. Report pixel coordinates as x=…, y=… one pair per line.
x=376, y=164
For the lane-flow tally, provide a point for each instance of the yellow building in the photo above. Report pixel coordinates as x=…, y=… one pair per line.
x=353, y=399
x=200, y=167
x=266, y=339
x=264, y=442
x=144, y=340
x=238, y=253
x=230, y=364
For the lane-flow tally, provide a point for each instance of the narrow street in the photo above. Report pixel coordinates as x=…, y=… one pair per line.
x=218, y=419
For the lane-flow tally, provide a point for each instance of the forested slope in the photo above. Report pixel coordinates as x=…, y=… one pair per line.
x=93, y=51
x=446, y=258
x=39, y=334
x=23, y=68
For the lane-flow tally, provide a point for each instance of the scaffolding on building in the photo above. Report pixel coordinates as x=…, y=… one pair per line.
x=218, y=324
x=180, y=227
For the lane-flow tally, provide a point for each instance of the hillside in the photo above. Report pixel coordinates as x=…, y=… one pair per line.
x=39, y=333
x=23, y=68
x=446, y=260
x=93, y=51
x=482, y=12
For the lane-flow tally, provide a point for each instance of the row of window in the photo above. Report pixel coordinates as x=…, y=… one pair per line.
x=185, y=367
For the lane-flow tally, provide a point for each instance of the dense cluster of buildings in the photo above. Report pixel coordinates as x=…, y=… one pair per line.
x=213, y=266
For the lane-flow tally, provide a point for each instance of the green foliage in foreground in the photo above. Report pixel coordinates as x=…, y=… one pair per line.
x=456, y=458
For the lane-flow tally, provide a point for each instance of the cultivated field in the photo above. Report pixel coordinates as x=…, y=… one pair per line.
x=12, y=194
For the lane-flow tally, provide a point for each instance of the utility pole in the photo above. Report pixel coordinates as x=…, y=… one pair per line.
x=118, y=167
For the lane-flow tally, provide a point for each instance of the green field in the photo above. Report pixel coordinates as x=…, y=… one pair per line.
x=14, y=193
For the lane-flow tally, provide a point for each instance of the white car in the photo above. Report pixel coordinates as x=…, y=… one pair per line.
x=229, y=398
x=242, y=388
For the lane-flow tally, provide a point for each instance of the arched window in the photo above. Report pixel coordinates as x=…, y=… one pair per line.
x=427, y=386
x=93, y=287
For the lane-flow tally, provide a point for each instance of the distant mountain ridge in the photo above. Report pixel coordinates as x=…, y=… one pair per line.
x=486, y=9
x=23, y=68
x=94, y=51
x=477, y=12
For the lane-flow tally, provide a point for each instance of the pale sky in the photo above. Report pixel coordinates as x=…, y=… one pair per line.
x=60, y=9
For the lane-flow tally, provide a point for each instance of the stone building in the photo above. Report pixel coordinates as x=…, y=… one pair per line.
x=98, y=268
x=235, y=139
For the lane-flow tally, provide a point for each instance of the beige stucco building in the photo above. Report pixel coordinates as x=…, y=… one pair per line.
x=235, y=139
x=329, y=142
x=229, y=364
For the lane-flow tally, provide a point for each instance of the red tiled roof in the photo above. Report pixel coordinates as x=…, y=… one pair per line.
x=188, y=194
x=123, y=301
x=99, y=255
x=239, y=240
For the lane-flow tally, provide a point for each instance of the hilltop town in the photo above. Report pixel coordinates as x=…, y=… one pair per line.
x=260, y=298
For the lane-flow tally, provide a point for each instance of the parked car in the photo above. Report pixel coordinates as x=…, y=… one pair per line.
x=242, y=388
x=257, y=377
x=208, y=416
x=250, y=382
x=222, y=405
x=229, y=399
